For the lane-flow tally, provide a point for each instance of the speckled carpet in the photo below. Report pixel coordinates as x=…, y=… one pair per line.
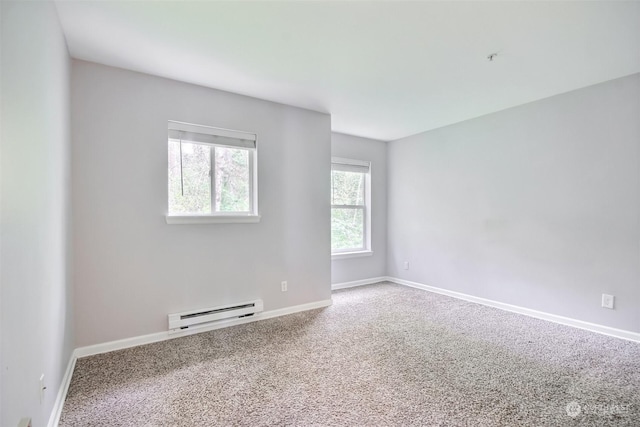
x=381, y=355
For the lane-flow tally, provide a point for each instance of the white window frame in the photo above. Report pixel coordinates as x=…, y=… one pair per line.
x=218, y=137
x=363, y=166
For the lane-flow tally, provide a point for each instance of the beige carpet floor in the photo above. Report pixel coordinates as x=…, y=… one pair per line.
x=382, y=355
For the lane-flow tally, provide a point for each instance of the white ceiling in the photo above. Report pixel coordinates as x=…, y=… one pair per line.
x=384, y=70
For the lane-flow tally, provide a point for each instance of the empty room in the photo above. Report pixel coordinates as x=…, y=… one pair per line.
x=310, y=213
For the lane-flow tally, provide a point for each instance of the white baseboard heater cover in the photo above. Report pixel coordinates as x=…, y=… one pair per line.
x=182, y=321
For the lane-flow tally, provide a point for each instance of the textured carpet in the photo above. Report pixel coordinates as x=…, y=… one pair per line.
x=381, y=355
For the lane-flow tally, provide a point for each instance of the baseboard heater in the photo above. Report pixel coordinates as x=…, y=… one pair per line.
x=181, y=321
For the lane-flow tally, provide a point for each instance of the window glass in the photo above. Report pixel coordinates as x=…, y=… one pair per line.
x=347, y=188
x=350, y=218
x=211, y=174
x=347, y=229
x=192, y=193
x=232, y=179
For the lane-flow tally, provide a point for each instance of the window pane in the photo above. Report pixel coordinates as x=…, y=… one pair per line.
x=196, y=166
x=347, y=188
x=232, y=180
x=347, y=229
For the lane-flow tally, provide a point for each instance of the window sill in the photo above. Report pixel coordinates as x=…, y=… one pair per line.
x=344, y=255
x=211, y=219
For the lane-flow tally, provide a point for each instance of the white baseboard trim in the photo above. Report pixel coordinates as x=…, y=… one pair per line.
x=593, y=327
x=56, y=412
x=166, y=335
x=91, y=350
x=355, y=283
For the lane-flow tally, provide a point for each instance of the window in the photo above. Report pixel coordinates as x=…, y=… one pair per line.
x=350, y=213
x=212, y=175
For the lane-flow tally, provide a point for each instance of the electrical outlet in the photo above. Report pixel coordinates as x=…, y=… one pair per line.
x=607, y=301
x=42, y=388
x=406, y=265
x=283, y=286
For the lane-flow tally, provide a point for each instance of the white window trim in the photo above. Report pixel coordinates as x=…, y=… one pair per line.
x=253, y=215
x=355, y=254
x=366, y=250
x=211, y=219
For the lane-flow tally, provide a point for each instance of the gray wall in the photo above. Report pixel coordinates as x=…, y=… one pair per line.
x=535, y=206
x=36, y=292
x=352, y=147
x=131, y=268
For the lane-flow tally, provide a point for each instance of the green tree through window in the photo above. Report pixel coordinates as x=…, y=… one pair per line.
x=348, y=207
x=210, y=171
